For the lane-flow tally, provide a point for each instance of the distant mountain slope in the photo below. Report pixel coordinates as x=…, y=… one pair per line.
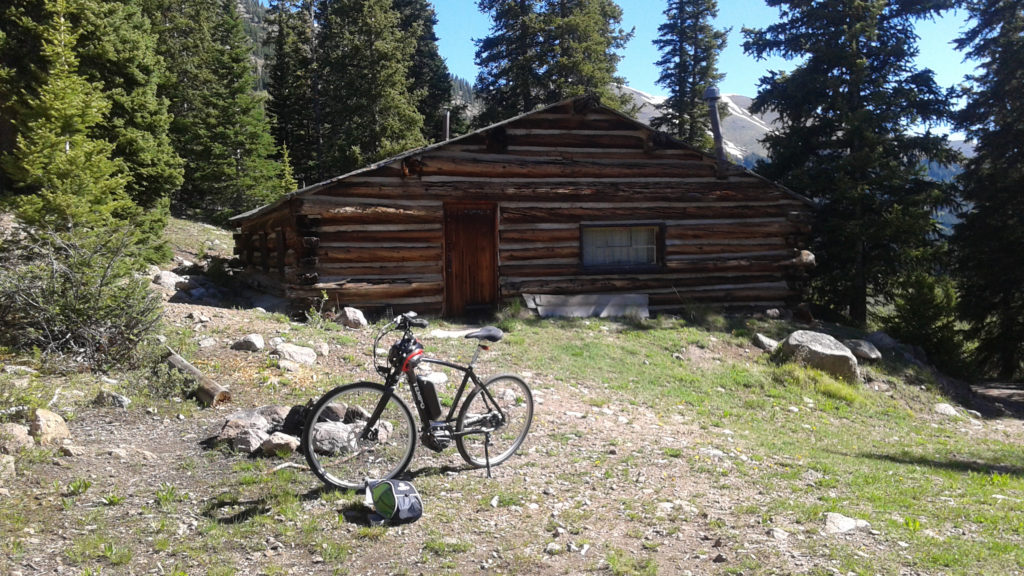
x=742, y=131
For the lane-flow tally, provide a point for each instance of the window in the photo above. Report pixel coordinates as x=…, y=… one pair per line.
x=632, y=246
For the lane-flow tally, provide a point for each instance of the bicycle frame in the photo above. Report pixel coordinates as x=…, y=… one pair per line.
x=469, y=374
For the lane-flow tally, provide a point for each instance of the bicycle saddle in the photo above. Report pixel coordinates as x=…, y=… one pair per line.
x=489, y=333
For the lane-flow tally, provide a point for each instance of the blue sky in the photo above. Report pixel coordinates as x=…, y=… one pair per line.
x=459, y=22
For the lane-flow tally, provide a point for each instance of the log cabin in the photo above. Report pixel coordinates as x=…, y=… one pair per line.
x=572, y=199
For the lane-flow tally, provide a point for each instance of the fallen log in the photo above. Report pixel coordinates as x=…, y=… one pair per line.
x=208, y=391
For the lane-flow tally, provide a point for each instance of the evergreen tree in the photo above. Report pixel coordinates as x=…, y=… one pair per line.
x=543, y=51
x=220, y=127
x=582, y=40
x=849, y=115
x=118, y=49
x=989, y=241
x=66, y=177
x=115, y=50
x=291, y=86
x=429, y=80
x=512, y=60
x=368, y=112
x=689, y=47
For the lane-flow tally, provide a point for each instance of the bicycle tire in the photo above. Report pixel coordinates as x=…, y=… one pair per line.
x=516, y=401
x=337, y=456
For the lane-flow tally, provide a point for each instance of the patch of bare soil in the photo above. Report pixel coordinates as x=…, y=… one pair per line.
x=599, y=487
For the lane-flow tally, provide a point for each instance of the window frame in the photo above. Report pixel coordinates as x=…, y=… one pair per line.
x=659, y=239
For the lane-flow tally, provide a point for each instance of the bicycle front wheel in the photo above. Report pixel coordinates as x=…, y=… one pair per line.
x=344, y=449
x=493, y=425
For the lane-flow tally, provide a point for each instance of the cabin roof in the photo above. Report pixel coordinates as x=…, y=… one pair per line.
x=589, y=100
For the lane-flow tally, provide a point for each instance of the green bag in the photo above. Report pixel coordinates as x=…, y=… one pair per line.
x=395, y=501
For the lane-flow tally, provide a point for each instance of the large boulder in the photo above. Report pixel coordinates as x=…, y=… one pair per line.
x=863, y=350
x=249, y=343
x=295, y=353
x=352, y=318
x=14, y=438
x=48, y=428
x=823, y=352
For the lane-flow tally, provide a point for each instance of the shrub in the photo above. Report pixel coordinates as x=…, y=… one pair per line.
x=74, y=295
x=924, y=313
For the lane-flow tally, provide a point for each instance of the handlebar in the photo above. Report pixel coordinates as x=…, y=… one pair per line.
x=410, y=320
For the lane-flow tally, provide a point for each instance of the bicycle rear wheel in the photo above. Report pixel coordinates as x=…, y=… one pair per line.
x=339, y=452
x=508, y=421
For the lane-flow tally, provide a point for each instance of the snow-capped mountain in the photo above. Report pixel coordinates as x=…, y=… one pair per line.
x=741, y=130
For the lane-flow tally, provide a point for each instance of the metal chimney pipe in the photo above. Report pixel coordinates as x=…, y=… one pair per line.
x=712, y=96
x=447, y=123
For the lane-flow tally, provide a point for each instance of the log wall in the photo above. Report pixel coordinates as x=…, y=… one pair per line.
x=376, y=237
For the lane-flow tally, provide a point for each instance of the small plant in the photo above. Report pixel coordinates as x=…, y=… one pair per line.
x=620, y=563
x=672, y=452
x=167, y=494
x=113, y=499
x=912, y=524
x=446, y=546
x=115, y=554
x=78, y=486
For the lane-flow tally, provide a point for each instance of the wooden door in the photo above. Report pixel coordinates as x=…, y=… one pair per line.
x=471, y=258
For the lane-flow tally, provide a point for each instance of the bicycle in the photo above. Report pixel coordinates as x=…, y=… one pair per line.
x=364, y=430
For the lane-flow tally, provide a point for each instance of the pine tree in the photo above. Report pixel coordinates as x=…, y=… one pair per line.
x=117, y=48
x=544, y=51
x=849, y=116
x=368, y=112
x=291, y=86
x=429, y=80
x=511, y=59
x=689, y=47
x=989, y=241
x=582, y=40
x=66, y=177
x=220, y=127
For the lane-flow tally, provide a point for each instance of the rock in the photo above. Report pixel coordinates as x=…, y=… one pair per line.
x=249, y=441
x=553, y=548
x=289, y=366
x=839, y=524
x=720, y=559
x=198, y=317
x=72, y=451
x=275, y=415
x=946, y=410
x=802, y=313
x=882, y=340
x=335, y=438
x=322, y=349
x=773, y=313
x=14, y=438
x=823, y=352
x=778, y=534
x=208, y=342
x=275, y=341
x=249, y=343
x=278, y=443
x=352, y=318
x=295, y=421
x=16, y=369
x=295, y=353
x=765, y=343
x=167, y=279
x=113, y=399
x=239, y=423
x=48, y=428
x=6, y=467
x=863, y=350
